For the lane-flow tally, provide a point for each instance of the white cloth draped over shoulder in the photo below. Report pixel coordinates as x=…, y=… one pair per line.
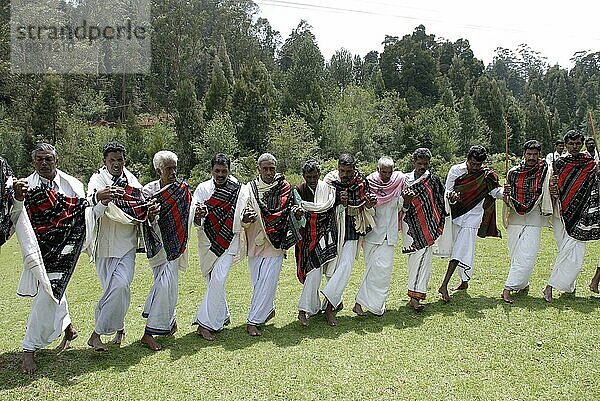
x=206, y=257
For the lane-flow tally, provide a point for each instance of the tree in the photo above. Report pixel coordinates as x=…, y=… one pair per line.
x=218, y=136
x=489, y=102
x=291, y=142
x=46, y=110
x=473, y=129
x=340, y=68
x=188, y=125
x=218, y=96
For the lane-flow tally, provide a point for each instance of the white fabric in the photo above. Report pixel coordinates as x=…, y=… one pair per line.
x=569, y=260
x=523, y=247
x=338, y=281
x=551, y=157
x=213, y=311
x=463, y=250
x=264, y=275
x=310, y=298
x=62, y=182
x=110, y=233
x=419, y=269
x=46, y=323
x=202, y=193
x=596, y=157
x=386, y=222
x=115, y=275
x=379, y=263
x=324, y=199
x=159, y=308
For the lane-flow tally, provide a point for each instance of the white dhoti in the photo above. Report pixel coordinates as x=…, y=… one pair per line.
x=379, y=263
x=264, y=275
x=310, y=299
x=213, y=312
x=568, y=264
x=338, y=281
x=115, y=275
x=419, y=269
x=463, y=250
x=523, y=247
x=159, y=309
x=47, y=321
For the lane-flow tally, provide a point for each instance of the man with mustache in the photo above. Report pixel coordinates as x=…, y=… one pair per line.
x=354, y=214
x=220, y=205
x=528, y=201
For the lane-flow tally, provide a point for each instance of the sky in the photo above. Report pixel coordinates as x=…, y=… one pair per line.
x=360, y=26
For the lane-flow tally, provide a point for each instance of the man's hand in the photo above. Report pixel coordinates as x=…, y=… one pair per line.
x=453, y=197
x=20, y=187
x=408, y=195
x=554, y=186
x=153, y=210
x=344, y=198
x=249, y=216
x=107, y=194
x=201, y=212
x=371, y=200
x=298, y=212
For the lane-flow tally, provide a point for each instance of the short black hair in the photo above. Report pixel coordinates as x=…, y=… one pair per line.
x=532, y=144
x=590, y=138
x=422, y=153
x=477, y=153
x=346, y=159
x=221, y=159
x=559, y=141
x=573, y=135
x=113, y=147
x=311, y=165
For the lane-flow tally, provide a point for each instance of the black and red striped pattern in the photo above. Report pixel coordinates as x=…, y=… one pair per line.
x=526, y=185
x=218, y=223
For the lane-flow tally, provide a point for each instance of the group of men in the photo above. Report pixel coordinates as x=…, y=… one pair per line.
x=326, y=221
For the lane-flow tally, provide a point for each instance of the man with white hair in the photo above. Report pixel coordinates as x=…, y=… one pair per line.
x=170, y=215
x=271, y=230
x=113, y=230
x=55, y=202
x=220, y=205
x=387, y=185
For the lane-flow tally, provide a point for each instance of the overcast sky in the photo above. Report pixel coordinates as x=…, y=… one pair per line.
x=360, y=26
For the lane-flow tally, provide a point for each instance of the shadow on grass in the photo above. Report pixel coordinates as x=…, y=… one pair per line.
x=69, y=367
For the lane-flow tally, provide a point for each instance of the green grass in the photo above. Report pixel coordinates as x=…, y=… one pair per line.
x=475, y=347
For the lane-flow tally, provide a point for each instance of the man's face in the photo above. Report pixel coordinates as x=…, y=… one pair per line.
x=573, y=146
x=385, y=173
x=267, y=170
x=560, y=148
x=220, y=172
x=473, y=165
x=531, y=157
x=168, y=172
x=346, y=172
x=44, y=163
x=114, y=162
x=312, y=178
x=590, y=144
x=421, y=165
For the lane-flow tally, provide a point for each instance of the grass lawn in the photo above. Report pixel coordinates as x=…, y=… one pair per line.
x=475, y=347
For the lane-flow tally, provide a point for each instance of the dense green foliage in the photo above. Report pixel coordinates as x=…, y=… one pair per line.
x=223, y=80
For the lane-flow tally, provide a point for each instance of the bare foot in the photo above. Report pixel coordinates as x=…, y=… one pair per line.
x=462, y=286
x=271, y=316
x=227, y=322
x=506, y=296
x=329, y=315
x=594, y=287
x=150, y=342
x=416, y=305
x=443, y=290
x=302, y=317
x=340, y=307
x=547, y=293
x=253, y=330
x=524, y=290
x=358, y=310
x=70, y=335
x=96, y=343
x=119, y=337
x=28, y=366
x=205, y=333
